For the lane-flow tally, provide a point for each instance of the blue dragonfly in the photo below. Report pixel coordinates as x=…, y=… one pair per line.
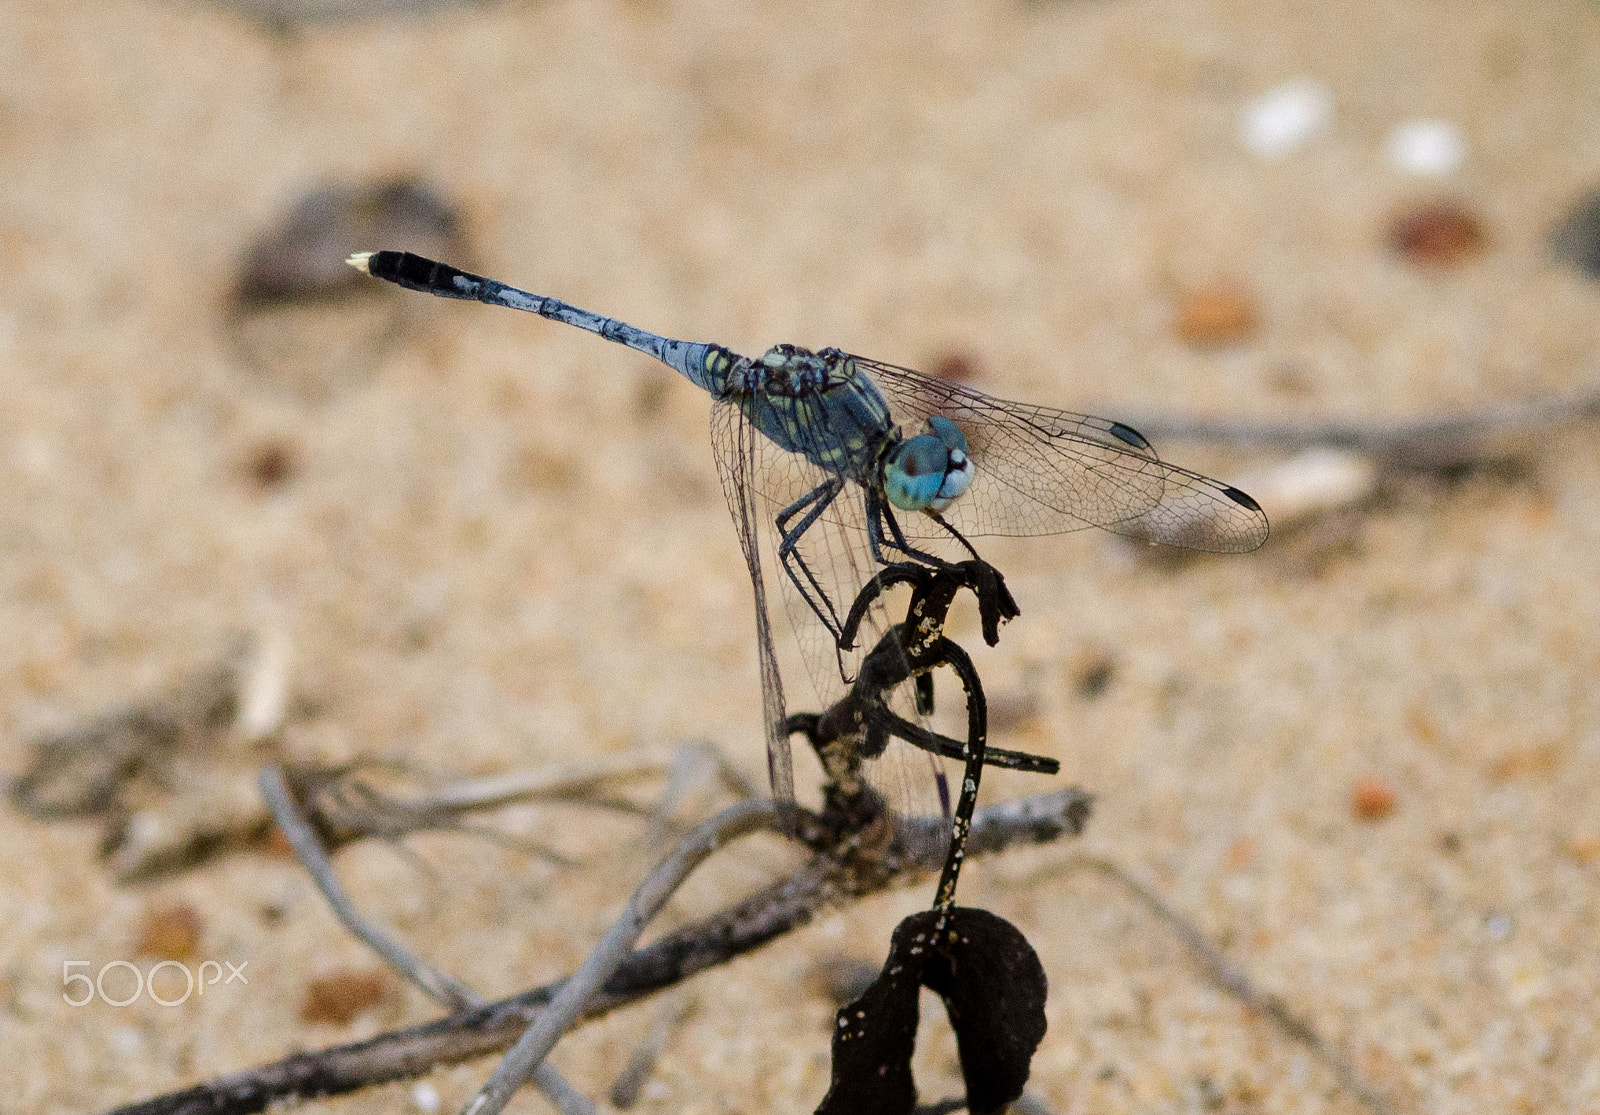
x=839, y=466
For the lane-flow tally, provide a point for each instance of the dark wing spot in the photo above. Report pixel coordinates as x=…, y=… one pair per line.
x=1131, y=436
x=1241, y=498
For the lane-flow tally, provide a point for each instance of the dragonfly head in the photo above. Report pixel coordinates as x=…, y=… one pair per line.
x=928, y=472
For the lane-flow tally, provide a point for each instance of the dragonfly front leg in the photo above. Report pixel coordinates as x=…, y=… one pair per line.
x=813, y=503
x=954, y=533
x=878, y=515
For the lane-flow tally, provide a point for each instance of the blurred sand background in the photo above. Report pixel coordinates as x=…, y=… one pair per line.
x=502, y=544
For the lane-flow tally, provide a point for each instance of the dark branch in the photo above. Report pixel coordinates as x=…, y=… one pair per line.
x=918, y=846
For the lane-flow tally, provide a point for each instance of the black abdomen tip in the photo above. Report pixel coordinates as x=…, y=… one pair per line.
x=416, y=272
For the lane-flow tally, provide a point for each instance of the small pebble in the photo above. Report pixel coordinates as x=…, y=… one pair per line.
x=1576, y=239
x=1439, y=233
x=278, y=844
x=263, y=691
x=1584, y=850
x=1525, y=762
x=1311, y=484
x=1215, y=316
x=1426, y=147
x=536, y=467
x=336, y=999
x=425, y=1097
x=1498, y=926
x=270, y=464
x=1372, y=799
x=170, y=932
x=1282, y=121
x=1241, y=853
x=1091, y=672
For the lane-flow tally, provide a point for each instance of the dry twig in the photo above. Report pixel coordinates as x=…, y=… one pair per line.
x=867, y=864
x=439, y=986
x=1438, y=443
x=618, y=941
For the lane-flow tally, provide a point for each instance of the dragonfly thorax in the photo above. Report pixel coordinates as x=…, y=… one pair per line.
x=929, y=471
x=818, y=405
x=789, y=370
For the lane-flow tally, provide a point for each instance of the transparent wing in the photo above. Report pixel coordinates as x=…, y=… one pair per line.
x=831, y=562
x=734, y=443
x=1045, y=471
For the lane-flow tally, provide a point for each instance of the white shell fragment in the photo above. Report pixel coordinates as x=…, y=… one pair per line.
x=1282, y=121
x=1311, y=484
x=264, y=686
x=1426, y=147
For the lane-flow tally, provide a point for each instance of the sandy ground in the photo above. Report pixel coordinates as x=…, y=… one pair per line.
x=502, y=543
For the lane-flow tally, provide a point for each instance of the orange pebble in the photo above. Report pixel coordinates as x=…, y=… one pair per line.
x=336, y=999
x=1214, y=316
x=278, y=844
x=1372, y=799
x=170, y=932
x=1241, y=853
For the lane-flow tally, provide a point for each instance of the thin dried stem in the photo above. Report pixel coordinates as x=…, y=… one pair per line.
x=439, y=986
x=825, y=879
x=1431, y=443
x=618, y=941
x=443, y=989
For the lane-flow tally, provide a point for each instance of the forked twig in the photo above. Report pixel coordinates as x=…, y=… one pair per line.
x=824, y=880
x=343, y=810
x=608, y=955
x=439, y=986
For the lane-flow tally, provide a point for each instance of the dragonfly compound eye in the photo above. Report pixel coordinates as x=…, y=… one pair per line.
x=927, y=472
x=915, y=472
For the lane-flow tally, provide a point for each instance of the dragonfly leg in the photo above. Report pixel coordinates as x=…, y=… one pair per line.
x=956, y=534
x=877, y=516
x=813, y=503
